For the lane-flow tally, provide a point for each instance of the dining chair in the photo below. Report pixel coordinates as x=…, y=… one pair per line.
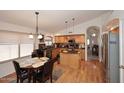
x=21, y=73
x=56, y=59
x=40, y=53
x=37, y=53
x=46, y=72
x=49, y=53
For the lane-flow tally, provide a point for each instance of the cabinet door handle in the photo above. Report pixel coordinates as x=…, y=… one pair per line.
x=122, y=66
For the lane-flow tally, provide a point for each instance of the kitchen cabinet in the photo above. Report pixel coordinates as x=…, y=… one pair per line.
x=79, y=38
x=71, y=60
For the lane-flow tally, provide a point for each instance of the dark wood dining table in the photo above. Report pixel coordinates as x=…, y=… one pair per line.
x=33, y=65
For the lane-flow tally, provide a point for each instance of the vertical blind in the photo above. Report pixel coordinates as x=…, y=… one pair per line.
x=8, y=51
x=11, y=51
x=26, y=49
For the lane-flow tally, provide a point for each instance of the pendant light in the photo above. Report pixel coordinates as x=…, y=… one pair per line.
x=73, y=19
x=30, y=36
x=38, y=35
x=66, y=22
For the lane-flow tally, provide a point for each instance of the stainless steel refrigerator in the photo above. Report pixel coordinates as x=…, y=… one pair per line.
x=110, y=56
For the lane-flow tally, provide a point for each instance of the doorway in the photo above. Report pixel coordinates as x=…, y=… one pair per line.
x=93, y=37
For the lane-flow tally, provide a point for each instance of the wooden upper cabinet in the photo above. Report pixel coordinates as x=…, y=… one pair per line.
x=65, y=38
x=56, y=39
x=60, y=39
x=80, y=39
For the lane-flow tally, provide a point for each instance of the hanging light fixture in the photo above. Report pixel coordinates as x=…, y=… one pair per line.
x=30, y=35
x=38, y=35
x=66, y=22
x=73, y=19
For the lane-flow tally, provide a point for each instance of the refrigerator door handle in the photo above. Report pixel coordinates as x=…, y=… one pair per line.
x=121, y=66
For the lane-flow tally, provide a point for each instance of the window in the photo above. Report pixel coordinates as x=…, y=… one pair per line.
x=26, y=49
x=48, y=40
x=48, y=43
x=8, y=51
x=11, y=51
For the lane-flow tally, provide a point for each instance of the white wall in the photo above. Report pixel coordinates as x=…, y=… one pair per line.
x=11, y=38
x=14, y=37
x=17, y=28
x=82, y=28
x=116, y=14
x=8, y=68
x=11, y=33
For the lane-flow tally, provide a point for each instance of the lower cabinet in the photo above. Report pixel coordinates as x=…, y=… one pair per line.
x=70, y=60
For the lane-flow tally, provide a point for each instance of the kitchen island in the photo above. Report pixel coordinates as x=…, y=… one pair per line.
x=57, y=51
x=71, y=59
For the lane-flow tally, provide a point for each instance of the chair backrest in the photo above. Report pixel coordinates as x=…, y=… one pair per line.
x=49, y=53
x=52, y=61
x=47, y=69
x=40, y=52
x=55, y=59
x=17, y=67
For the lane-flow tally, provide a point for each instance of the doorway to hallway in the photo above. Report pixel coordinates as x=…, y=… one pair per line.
x=93, y=38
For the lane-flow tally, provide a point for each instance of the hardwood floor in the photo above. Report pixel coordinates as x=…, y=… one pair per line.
x=8, y=78
x=89, y=72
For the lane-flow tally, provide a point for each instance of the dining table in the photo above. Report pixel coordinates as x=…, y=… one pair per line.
x=32, y=64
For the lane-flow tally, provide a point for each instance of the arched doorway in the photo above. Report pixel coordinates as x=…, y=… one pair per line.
x=93, y=39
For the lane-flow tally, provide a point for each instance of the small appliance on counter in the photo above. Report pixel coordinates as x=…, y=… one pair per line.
x=72, y=44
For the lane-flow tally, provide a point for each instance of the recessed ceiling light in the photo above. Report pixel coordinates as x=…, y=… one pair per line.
x=111, y=28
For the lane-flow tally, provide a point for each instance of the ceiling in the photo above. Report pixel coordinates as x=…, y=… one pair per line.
x=49, y=20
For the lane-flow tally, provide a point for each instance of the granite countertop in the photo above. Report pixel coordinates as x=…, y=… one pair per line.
x=70, y=52
x=67, y=48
